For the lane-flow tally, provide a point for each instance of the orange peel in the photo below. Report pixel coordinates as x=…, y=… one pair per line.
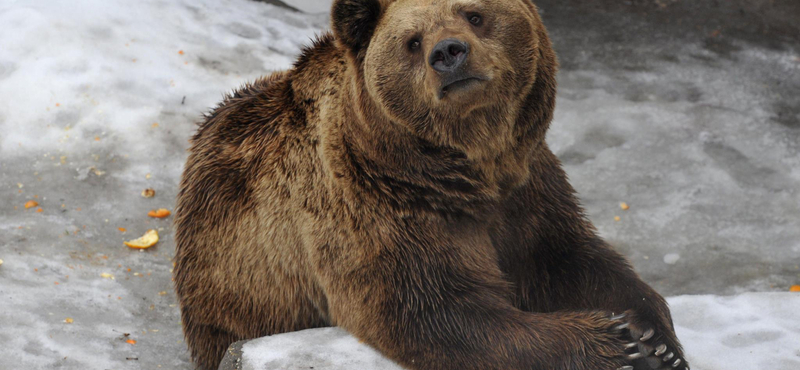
x=159, y=213
x=149, y=239
x=31, y=204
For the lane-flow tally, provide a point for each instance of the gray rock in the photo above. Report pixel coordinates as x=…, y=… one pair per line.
x=233, y=356
x=318, y=349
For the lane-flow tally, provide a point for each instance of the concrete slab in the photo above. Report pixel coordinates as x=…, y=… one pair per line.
x=748, y=331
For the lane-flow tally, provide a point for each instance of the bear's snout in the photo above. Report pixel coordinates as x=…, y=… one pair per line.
x=449, y=55
x=449, y=58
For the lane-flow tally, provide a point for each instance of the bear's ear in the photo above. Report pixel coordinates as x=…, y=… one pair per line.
x=353, y=22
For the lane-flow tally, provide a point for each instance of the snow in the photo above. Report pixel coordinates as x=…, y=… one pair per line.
x=98, y=99
x=311, y=6
x=749, y=331
x=122, y=66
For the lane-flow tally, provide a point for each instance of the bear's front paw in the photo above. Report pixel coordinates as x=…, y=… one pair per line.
x=646, y=349
x=605, y=342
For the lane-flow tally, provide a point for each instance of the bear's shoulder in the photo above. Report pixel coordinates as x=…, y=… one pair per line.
x=248, y=128
x=241, y=143
x=277, y=102
x=252, y=110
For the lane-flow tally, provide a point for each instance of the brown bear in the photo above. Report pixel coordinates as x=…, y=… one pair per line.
x=396, y=183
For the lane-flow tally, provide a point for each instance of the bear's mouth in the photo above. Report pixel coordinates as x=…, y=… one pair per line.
x=459, y=83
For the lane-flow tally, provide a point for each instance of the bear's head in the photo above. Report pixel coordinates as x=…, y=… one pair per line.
x=468, y=74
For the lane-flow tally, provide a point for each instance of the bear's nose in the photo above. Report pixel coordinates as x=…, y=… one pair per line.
x=448, y=55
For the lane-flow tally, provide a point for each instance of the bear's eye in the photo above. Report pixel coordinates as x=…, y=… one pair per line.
x=475, y=19
x=414, y=44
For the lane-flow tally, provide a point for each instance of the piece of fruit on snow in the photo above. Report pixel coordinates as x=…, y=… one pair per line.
x=159, y=213
x=149, y=239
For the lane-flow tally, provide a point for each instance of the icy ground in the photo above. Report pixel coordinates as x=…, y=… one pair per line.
x=688, y=111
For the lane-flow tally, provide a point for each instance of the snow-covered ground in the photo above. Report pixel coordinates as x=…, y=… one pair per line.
x=695, y=126
x=311, y=6
x=97, y=101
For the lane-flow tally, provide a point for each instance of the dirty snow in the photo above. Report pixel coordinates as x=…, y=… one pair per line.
x=98, y=100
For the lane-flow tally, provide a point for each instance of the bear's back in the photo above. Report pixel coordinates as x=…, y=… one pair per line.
x=254, y=164
x=241, y=172
x=231, y=146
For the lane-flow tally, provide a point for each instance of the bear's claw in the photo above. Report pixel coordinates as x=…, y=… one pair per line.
x=618, y=317
x=622, y=327
x=656, y=356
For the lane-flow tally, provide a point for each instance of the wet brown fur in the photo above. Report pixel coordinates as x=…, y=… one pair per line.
x=445, y=240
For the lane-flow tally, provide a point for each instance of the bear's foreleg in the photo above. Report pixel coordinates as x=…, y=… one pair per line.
x=551, y=254
x=439, y=302
x=554, y=273
x=593, y=276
